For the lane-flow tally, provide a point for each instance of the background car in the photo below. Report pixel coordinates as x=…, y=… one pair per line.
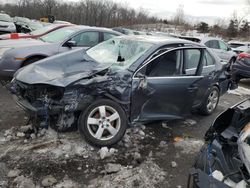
x=34, y=34
x=6, y=24
x=218, y=46
x=238, y=46
x=20, y=22
x=241, y=67
x=123, y=80
x=19, y=53
x=31, y=26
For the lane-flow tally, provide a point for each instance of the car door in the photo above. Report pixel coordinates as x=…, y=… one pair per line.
x=84, y=40
x=166, y=86
x=224, y=51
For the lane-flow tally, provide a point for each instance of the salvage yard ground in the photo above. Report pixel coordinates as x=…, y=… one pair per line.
x=154, y=155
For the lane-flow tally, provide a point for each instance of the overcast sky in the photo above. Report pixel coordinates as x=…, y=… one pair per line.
x=214, y=8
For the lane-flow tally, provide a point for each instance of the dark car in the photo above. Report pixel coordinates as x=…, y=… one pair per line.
x=224, y=160
x=241, y=67
x=34, y=34
x=121, y=81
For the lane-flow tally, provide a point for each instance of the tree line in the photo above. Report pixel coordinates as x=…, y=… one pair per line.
x=104, y=13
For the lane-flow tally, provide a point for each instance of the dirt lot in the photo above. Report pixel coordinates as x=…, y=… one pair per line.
x=148, y=156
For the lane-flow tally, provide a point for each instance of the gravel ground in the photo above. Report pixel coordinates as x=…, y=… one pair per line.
x=153, y=155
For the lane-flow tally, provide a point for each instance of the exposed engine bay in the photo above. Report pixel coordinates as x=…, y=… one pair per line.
x=224, y=161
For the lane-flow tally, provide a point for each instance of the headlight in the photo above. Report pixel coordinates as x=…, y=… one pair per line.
x=3, y=50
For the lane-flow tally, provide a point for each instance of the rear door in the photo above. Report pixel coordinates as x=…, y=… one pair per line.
x=167, y=86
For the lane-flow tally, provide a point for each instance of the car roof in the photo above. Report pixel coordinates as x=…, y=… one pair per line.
x=100, y=29
x=158, y=40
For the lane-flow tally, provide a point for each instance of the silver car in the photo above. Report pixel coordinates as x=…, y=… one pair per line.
x=15, y=54
x=6, y=24
x=219, y=47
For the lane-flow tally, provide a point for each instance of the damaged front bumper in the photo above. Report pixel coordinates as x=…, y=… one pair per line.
x=37, y=110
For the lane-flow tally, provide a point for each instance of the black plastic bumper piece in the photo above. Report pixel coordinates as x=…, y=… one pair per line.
x=199, y=179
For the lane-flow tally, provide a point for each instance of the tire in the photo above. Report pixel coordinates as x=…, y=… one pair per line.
x=98, y=114
x=31, y=60
x=210, y=102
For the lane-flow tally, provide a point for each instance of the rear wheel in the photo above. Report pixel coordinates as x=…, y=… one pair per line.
x=103, y=123
x=211, y=101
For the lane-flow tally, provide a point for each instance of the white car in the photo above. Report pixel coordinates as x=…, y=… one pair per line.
x=219, y=47
x=6, y=24
x=238, y=46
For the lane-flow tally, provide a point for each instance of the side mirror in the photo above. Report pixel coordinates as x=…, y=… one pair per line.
x=70, y=43
x=229, y=49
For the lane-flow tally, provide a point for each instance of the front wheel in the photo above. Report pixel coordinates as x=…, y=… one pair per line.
x=103, y=123
x=211, y=101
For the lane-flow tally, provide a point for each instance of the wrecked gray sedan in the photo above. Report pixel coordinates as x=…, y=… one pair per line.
x=119, y=82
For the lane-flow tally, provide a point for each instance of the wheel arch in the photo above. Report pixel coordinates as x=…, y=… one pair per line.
x=42, y=56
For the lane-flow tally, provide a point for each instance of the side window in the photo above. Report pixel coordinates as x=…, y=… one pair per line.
x=208, y=59
x=107, y=36
x=213, y=44
x=191, y=61
x=223, y=46
x=87, y=39
x=208, y=44
x=165, y=65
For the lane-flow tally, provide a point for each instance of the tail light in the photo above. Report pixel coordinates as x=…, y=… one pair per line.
x=243, y=56
x=14, y=36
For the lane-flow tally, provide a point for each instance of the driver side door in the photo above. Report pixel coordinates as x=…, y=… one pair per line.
x=165, y=88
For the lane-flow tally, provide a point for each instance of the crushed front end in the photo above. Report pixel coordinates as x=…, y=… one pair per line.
x=221, y=161
x=47, y=105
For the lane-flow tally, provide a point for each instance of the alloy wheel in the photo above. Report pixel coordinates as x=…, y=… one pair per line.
x=103, y=122
x=212, y=100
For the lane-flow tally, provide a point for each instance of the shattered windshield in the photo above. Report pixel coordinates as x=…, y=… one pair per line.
x=119, y=52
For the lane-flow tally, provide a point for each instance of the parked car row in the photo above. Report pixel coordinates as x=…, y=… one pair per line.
x=219, y=47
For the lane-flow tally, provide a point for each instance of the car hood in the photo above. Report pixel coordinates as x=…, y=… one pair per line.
x=21, y=43
x=60, y=70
